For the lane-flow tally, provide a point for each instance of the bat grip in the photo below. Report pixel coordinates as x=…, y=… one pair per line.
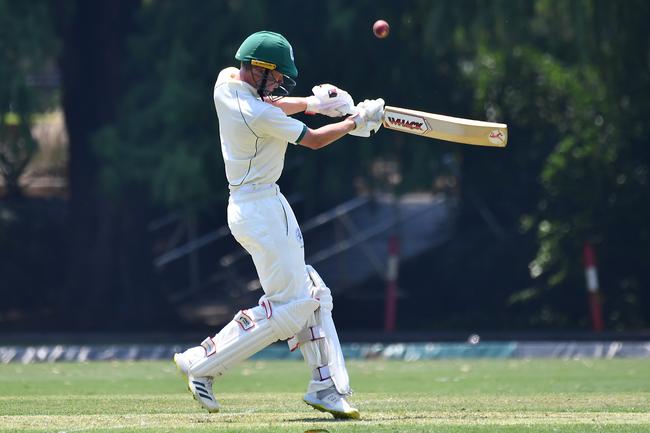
x=354, y=111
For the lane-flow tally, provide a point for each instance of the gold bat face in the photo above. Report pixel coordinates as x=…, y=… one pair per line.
x=446, y=127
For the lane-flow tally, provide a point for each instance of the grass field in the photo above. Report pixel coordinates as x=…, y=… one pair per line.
x=393, y=396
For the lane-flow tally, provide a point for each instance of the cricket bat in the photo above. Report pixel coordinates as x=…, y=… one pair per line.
x=446, y=127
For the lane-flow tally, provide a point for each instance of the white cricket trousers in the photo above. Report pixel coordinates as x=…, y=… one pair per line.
x=262, y=221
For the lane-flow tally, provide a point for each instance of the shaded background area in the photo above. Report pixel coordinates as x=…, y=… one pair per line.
x=110, y=162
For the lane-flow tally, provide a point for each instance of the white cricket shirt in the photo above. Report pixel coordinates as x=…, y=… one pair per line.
x=254, y=134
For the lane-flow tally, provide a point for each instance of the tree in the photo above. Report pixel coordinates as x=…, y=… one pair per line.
x=26, y=43
x=569, y=77
x=107, y=251
x=596, y=181
x=575, y=89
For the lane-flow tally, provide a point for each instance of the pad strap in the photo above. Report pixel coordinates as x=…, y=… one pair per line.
x=321, y=373
x=309, y=333
x=209, y=346
x=245, y=320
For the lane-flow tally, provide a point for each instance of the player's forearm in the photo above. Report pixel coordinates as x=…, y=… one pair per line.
x=321, y=137
x=290, y=104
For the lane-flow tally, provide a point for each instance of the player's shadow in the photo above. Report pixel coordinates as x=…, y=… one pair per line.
x=324, y=419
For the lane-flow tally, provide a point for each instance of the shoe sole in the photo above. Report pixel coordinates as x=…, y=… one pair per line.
x=338, y=415
x=199, y=402
x=184, y=376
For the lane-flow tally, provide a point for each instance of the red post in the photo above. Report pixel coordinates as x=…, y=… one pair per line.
x=390, y=312
x=591, y=276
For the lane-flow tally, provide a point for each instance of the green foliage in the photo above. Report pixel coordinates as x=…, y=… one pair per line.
x=26, y=44
x=166, y=137
x=580, y=152
x=170, y=104
x=594, y=183
x=17, y=148
x=570, y=78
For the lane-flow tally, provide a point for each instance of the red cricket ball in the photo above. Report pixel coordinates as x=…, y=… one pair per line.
x=381, y=29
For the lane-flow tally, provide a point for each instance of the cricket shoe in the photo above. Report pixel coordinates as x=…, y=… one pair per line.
x=200, y=387
x=329, y=400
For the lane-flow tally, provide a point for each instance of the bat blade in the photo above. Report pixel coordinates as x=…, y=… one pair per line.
x=447, y=128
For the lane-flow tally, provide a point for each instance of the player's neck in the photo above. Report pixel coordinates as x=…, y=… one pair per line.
x=245, y=76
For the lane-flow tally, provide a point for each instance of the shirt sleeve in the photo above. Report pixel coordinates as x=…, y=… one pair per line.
x=274, y=122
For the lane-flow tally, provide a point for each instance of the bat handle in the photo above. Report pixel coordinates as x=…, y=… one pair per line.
x=354, y=111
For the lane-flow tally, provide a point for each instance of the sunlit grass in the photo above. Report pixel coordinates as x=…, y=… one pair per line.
x=393, y=396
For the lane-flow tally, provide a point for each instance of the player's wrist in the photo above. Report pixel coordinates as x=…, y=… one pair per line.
x=311, y=104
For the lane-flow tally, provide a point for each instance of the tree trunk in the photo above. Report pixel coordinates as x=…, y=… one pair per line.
x=94, y=35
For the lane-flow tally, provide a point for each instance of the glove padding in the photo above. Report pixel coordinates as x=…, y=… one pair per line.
x=368, y=118
x=330, y=101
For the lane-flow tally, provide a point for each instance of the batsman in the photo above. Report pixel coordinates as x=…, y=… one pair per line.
x=255, y=128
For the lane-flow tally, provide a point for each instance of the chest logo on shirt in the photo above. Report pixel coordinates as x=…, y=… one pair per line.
x=301, y=242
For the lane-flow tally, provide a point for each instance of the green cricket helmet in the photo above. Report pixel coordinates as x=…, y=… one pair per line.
x=270, y=51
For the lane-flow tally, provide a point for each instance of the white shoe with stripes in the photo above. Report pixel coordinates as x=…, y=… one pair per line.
x=329, y=400
x=200, y=387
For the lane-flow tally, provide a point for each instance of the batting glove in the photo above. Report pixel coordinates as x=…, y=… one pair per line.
x=330, y=101
x=368, y=118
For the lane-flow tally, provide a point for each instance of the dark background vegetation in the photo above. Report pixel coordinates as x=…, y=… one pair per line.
x=571, y=79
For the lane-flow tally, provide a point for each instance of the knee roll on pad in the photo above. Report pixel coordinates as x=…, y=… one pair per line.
x=288, y=319
x=320, y=290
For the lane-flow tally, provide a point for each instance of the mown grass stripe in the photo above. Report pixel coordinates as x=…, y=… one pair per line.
x=434, y=397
